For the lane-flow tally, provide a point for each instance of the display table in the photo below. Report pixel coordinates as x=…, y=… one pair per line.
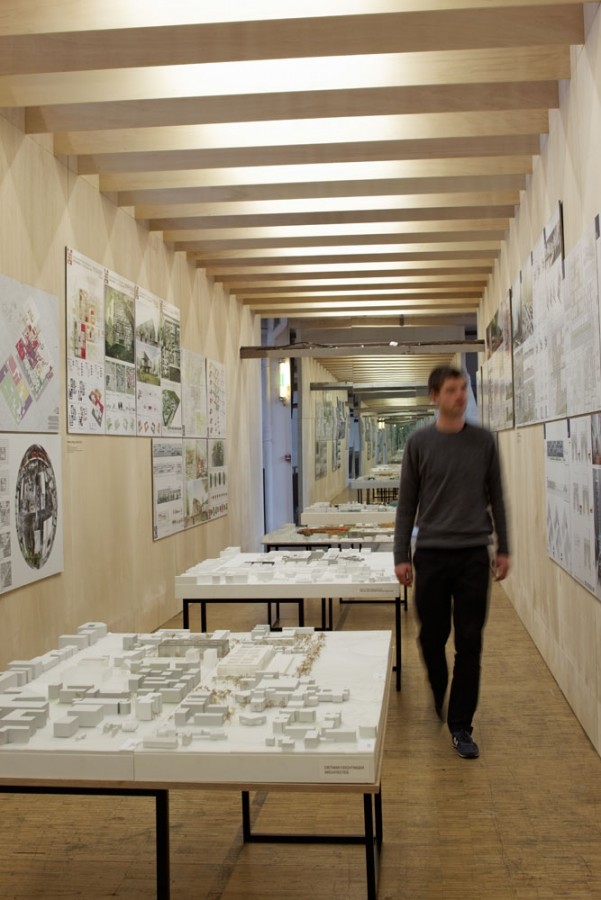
x=380, y=483
x=377, y=487
x=293, y=576
x=349, y=514
x=311, y=537
x=143, y=714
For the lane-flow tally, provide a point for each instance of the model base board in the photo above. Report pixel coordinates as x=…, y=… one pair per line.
x=182, y=707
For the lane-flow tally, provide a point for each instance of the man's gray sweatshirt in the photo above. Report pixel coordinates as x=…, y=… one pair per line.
x=455, y=480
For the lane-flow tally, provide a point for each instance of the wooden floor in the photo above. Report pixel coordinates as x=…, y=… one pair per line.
x=523, y=821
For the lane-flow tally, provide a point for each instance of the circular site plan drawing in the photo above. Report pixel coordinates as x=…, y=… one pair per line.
x=36, y=506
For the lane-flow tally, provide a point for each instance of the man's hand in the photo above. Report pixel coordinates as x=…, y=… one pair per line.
x=500, y=567
x=404, y=573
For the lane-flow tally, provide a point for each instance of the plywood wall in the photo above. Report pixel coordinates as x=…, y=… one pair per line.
x=113, y=571
x=563, y=619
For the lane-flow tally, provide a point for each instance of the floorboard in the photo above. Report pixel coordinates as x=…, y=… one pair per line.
x=522, y=821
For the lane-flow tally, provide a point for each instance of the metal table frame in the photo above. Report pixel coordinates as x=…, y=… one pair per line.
x=371, y=836
x=161, y=796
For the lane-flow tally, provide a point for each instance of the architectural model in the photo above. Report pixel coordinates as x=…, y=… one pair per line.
x=176, y=706
x=348, y=514
x=330, y=534
x=290, y=573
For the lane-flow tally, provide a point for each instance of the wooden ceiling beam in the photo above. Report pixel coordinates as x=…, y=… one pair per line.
x=353, y=308
x=174, y=186
x=497, y=203
x=254, y=246
x=393, y=188
x=40, y=17
x=264, y=260
x=111, y=164
x=377, y=313
x=314, y=274
x=437, y=268
x=196, y=197
x=365, y=279
x=357, y=293
x=363, y=295
x=243, y=136
x=484, y=65
x=301, y=38
x=394, y=100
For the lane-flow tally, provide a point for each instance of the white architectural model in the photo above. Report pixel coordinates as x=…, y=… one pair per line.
x=349, y=514
x=176, y=707
x=291, y=573
x=376, y=537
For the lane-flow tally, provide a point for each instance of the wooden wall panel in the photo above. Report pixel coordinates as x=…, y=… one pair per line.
x=563, y=618
x=114, y=572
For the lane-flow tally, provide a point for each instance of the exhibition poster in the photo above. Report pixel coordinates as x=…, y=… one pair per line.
x=549, y=322
x=29, y=355
x=582, y=510
x=196, y=482
x=171, y=376
x=557, y=479
x=498, y=370
x=341, y=418
x=523, y=341
x=335, y=455
x=218, y=500
x=556, y=328
x=321, y=459
x=120, y=349
x=216, y=399
x=482, y=387
x=189, y=483
x=194, y=394
x=148, y=364
x=573, y=483
x=167, y=486
x=85, y=345
x=582, y=318
x=538, y=330
x=31, y=523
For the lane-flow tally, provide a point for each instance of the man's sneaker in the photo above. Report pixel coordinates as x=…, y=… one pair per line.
x=464, y=744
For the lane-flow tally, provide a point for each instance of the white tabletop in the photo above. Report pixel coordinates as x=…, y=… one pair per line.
x=291, y=573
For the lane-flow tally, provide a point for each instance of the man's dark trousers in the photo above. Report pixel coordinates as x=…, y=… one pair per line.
x=453, y=585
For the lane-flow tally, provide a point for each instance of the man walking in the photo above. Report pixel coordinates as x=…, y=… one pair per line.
x=451, y=478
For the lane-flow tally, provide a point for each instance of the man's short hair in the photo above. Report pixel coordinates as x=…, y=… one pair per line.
x=440, y=374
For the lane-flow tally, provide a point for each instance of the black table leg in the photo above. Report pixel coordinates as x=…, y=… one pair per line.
x=397, y=638
x=379, y=824
x=161, y=818
x=162, y=844
x=370, y=848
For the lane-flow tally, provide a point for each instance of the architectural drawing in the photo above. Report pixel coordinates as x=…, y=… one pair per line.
x=29, y=358
x=31, y=524
x=148, y=364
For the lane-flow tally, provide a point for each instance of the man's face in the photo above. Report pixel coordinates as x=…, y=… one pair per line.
x=451, y=399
